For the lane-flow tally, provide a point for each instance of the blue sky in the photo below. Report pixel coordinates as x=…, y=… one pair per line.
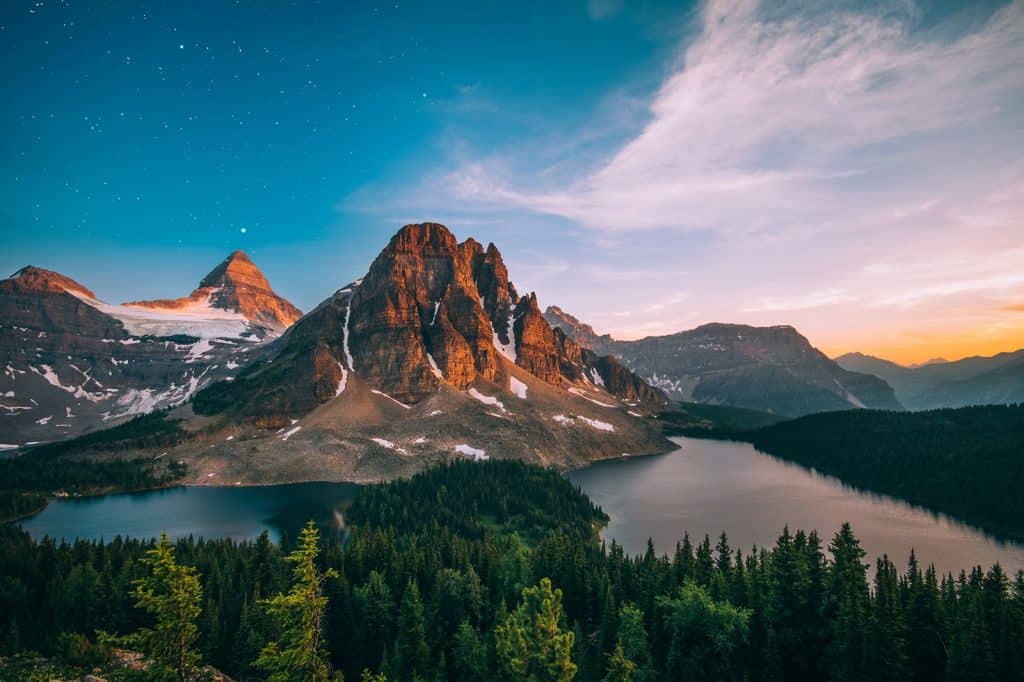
x=854, y=170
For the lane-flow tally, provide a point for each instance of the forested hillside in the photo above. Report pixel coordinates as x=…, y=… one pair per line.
x=966, y=462
x=484, y=571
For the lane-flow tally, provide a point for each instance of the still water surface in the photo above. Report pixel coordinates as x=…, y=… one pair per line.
x=704, y=487
x=708, y=486
x=241, y=513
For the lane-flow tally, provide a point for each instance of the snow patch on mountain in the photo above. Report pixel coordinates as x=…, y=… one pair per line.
x=434, y=368
x=396, y=402
x=507, y=349
x=476, y=454
x=582, y=394
x=342, y=382
x=384, y=443
x=517, y=387
x=486, y=399
x=199, y=318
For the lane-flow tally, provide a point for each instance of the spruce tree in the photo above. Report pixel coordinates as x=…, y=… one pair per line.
x=620, y=668
x=172, y=594
x=298, y=654
x=411, y=650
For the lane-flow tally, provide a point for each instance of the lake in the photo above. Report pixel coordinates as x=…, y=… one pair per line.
x=704, y=487
x=241, y=513
x=708, y=486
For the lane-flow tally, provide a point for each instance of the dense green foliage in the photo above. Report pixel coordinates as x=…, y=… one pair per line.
x=966, y=462
x=151, y=430
x=471, y=501
x=700, y=419
x=171, y=593
x=435, y=569
x=29, y=479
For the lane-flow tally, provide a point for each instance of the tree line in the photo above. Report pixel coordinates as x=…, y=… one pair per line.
x=966, y=462
x=494, y=571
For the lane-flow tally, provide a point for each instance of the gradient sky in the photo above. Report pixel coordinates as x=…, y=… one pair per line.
x=855, y=170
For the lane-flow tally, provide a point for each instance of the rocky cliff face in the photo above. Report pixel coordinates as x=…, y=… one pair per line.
x=579, y=331
x=773, y=369
x=429, y=312
x=73, y=364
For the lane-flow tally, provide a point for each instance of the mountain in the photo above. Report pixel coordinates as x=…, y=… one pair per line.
x=236, y=286
x=771, y=369
x=432, y=354
x=72, y=363
x=998, y=379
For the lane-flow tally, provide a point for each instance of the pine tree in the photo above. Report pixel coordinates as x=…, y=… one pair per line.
x=846, y=606
x=411, y=650
x=375, y=608
x=634, y=641
x=620, y=668
x=172, y=594
x=298, y=654
x=469, y=655
x=530, y=642
x=887, y=658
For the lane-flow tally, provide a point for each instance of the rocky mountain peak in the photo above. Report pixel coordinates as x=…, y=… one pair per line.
x=578, y=331
x=496, y=290
x=235, y=285
x=236, y=270
x=422, y=239
x=33, y=280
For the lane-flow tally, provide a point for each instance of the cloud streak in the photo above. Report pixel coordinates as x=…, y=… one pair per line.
x=775, y=120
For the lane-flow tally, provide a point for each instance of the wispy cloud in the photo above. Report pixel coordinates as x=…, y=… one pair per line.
x=803, y=301
x=774, y=120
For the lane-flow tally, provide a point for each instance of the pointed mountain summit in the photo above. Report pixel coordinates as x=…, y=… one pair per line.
x=235, y=285
x=33, y=280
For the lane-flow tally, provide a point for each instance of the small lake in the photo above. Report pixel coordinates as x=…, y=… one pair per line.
x=240, y=513
x=708, y=486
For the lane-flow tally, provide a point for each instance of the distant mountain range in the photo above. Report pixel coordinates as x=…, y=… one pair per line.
x=772, y=369
x=998, y=379
x=73, y=364
x=432, y=354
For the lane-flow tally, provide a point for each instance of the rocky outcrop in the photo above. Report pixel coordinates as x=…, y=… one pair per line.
x=539, y=349
x=235, y=285
x=430, y=311
x=578, y=331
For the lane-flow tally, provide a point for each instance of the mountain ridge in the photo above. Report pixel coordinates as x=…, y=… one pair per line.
x=974, y=380
x=773, y=369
